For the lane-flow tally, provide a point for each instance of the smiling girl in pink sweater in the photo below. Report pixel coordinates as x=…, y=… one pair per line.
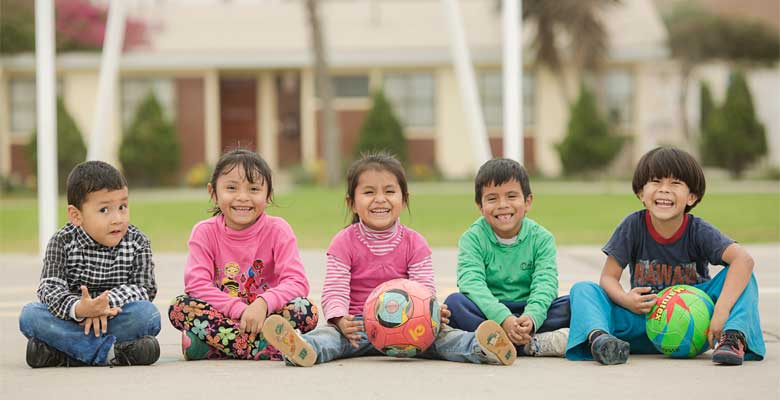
x=243, y=265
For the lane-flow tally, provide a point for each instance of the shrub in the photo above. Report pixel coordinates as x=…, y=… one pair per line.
x=198, y=176
x=70, y=146
x=588, y=145
x=150, y=149
x=733, y=138
x=381, y=130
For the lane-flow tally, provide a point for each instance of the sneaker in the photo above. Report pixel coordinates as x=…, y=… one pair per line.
x=548, y=344
x=282, y=336
x=143, y=351
x=609, y=350
x=40, y=355
x=193, y=347
x=730, y=349
x=495, y=343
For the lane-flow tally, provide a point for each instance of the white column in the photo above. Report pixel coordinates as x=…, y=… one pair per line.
x=468, y=87
x=308, y=118
x=46, y=122
x=109, y=70
x=513, y=81
x=212, y=118
x=268, y=126
x=5, y=126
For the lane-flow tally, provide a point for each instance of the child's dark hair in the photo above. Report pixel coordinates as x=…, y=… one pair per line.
x=497, y=172
x=670, y=162
x=378, y=162
x=92, y=176
x=255, y=169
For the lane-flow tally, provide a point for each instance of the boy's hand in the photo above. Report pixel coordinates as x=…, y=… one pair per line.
x=512, y=328
x=717, y=323
x=88, y=307
x=638, y=302
x=253, y=317
x=526, y=324
x=349, y=328
x=444, y=314
x=99, y=324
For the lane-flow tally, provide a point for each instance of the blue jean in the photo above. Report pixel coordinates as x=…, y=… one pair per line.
x=450, y=344
x=467, y=316
x=137, y=319
x=592, y=309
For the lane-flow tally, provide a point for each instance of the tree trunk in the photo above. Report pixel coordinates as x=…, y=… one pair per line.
x=331, y=136
x=685, y=77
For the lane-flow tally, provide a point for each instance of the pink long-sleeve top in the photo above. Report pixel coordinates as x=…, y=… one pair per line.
x=359, y=259
x=229, y=269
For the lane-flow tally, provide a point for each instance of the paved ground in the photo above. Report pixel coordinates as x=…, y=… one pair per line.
x=384, y=377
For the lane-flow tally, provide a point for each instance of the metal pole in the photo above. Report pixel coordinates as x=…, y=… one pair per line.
x=46, y=104
x=109, y=69
x=513, y=81
x=468, y=88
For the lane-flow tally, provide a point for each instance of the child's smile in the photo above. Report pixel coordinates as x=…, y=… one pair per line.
x=240, y=201
x=504, y=207
x=378, y=199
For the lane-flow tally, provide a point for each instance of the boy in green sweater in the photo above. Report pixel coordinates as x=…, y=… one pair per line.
x=506, y=266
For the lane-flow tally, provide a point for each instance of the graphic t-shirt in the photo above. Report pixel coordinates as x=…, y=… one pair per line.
x=657, y=262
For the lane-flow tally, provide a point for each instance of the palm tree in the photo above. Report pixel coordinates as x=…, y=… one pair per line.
x=331, y=136
x=580, y=22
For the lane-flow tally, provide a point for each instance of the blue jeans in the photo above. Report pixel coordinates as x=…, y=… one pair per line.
x=450, y=344
x=137, y=319
x=592, y=309
x=467, y=316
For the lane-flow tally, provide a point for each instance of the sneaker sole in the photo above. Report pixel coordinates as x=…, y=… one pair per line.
x=614, y=352
x=727, y=359
x=492, y=337
x=281, y=335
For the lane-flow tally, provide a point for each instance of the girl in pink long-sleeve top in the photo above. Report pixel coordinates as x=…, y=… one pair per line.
x=376, y=248
x=243, y=265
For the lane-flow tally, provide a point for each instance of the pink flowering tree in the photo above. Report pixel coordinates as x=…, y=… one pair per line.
x=81, y=25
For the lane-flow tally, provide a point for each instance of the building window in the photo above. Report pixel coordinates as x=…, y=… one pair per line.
x=350, y=85
x=618, y=97
x=492, y=97
x=22, y=96
x=412, y=97
x=134, y=91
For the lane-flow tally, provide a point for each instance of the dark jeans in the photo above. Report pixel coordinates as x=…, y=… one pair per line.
x=137, y=319
x=467, y=316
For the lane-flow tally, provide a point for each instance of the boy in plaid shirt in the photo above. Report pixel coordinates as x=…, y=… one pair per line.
x=97, y=282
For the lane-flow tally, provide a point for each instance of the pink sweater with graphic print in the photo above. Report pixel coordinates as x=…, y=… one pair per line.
x=359, y=259
x=229, y=269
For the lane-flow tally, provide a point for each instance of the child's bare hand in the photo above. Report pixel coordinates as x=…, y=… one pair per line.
x=638, y=302
x=88, y=307
x=349, y=328
x=253, y=317
x=98, y=324
x=444, y=314
x=717, y=323
x=526, y=328
x=511, y=326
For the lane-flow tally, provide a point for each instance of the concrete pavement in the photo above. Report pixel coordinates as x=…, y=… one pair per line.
x=384, y=377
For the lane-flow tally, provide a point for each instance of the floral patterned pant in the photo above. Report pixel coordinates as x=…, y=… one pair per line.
x=222, y=334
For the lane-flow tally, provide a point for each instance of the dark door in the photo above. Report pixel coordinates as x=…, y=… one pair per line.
x=288, y=94
x=238, y=112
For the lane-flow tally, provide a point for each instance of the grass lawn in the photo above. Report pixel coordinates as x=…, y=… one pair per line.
x=317, y=214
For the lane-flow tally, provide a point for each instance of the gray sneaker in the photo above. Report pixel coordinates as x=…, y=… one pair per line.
x=548, y=344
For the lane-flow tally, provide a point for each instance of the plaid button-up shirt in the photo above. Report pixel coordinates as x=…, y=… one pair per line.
x=73, y=259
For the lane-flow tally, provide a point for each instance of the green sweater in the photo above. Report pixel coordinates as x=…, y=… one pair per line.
x=490, y=272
